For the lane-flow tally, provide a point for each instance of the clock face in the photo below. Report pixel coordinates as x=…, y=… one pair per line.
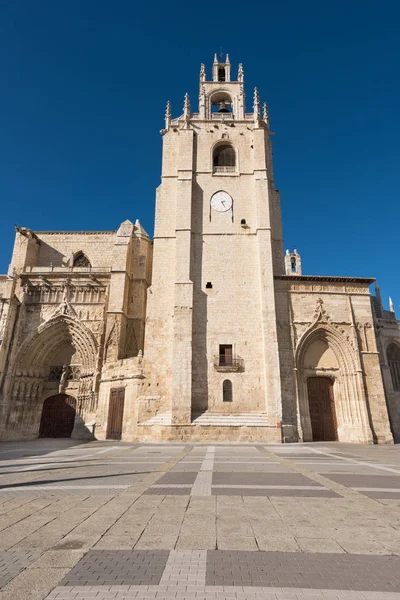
x=221, y=201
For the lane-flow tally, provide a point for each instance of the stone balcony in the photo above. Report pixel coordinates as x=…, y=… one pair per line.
x=46, y=269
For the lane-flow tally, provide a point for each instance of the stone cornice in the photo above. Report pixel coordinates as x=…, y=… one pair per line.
x=330, y=278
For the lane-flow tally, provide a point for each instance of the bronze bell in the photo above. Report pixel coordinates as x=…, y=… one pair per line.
x=223, y=108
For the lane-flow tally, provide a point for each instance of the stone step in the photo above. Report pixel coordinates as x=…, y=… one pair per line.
x=160, y=419
x=209, y=419
x=231, y=420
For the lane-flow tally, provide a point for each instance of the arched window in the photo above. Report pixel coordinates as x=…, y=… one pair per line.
x=224, y=159
x=393, y=357
x=227, y=391
x=80, y=260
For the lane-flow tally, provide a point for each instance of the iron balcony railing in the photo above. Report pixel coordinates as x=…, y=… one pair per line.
x=228, y=363
x=225, y=169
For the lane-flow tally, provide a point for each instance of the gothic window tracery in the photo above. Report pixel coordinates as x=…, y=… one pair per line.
x=80, y=260
x=72, y=372
x=393, y=357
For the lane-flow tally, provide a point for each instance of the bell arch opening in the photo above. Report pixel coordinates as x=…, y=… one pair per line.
x=220, y=103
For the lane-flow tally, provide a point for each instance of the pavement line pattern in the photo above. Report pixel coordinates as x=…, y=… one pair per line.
x=313, y=488
x=358, y=462
x=225, y=574
x=110, y=449
x=134, y=592
x=203, y=482
x=126, y=567
x=278, y=523
x=62, y=487
x=184, y=567
x=172, y=485
x=12, y=563
x=375, y=489
x=246, y=462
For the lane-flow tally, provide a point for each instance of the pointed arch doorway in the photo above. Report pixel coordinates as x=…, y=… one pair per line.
x=58, y=416
x=321, y=405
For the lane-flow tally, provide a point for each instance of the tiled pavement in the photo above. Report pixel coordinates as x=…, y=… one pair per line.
x=116, y=520
x=12, y=563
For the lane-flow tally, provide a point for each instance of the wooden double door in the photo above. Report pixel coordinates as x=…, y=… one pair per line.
x=58, y=416
x=115, y=414
x=322, y=409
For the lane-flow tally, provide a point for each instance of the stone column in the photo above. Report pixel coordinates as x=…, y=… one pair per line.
x=183, y=288
x=273, y=399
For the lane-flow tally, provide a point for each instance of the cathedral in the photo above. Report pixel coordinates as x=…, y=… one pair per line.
x=210, y=331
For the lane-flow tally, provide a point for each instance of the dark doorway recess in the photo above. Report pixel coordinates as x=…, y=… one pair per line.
x=322, y=409
x=115, y=414
x=58, y=416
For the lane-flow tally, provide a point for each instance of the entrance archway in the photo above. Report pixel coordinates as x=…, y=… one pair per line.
x=58, y=416
x=322, y=409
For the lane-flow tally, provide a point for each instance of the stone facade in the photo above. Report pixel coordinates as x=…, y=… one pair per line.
x=72, y=305
x=208, y=333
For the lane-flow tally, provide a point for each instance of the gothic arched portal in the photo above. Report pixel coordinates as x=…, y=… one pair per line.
x=61, y=338
x=323, y=354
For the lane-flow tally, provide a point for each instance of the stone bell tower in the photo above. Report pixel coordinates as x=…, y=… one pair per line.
x=211, y=337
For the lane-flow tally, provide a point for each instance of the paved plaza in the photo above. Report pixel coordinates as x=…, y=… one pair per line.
x=219, y=522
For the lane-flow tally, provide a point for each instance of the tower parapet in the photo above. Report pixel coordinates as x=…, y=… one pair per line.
x=221, y=98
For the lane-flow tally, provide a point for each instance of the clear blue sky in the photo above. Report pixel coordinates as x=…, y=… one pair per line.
x=83, y=93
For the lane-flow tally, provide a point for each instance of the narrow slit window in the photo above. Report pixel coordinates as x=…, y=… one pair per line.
x=227, y=395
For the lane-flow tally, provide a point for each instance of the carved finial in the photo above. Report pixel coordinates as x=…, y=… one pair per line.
x=391, y=305
x=240, y=73
x=186, y=110
x=256, y=105
x=227, y=61
x=215, y=59
x=202, y=72
x=167, y=117
x=186, y=104
x=256, y=98
x=265, y=112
